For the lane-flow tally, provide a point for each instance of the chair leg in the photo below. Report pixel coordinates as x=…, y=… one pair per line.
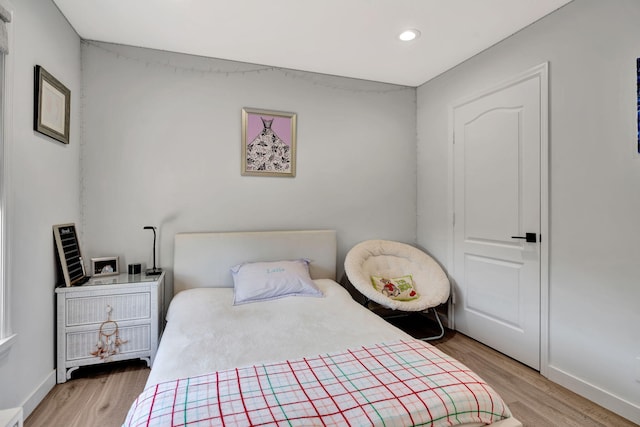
x=435, y=337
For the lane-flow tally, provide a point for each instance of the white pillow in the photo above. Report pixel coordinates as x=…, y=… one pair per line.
x=263, y=281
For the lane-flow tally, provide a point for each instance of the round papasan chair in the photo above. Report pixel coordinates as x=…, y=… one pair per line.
x=390, y=260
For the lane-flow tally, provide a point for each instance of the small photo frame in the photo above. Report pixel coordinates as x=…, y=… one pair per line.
x=105, y=266
x=52, y=106
x=268, y=143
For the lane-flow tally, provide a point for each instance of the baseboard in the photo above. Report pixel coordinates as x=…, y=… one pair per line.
x=39, y=394
x=595, y=394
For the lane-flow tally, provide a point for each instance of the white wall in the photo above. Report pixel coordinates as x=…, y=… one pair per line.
x=591, y=46
x=44, y=177
x=161, y=147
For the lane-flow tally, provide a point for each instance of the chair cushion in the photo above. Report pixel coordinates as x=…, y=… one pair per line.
x=397, y=288
x=385, y=258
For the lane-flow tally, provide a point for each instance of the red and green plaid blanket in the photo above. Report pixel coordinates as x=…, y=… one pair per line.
x=403, y=383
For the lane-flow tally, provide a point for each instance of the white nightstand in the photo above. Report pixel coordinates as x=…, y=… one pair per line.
x=11, y=417
x=131, y=303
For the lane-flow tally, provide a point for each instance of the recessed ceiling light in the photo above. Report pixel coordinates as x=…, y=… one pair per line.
x=409, y=35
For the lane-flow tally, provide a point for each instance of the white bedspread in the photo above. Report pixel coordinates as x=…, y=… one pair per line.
x=206, y=333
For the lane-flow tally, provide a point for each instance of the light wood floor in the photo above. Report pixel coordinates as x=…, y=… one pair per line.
x=97, y=396
x=100, y=396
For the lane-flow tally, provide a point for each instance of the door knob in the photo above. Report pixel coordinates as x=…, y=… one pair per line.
x=529, y=237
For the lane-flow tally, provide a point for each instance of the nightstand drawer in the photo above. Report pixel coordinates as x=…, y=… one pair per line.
x=93, y=310
x=81, y=344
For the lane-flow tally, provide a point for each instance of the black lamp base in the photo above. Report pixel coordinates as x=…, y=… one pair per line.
x=153, y=272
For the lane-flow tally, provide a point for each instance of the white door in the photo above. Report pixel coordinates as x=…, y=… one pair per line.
x=497, y=199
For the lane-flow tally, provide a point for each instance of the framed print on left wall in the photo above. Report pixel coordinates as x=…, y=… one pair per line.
x=52, y=106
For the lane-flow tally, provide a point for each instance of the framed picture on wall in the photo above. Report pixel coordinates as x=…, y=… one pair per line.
x=105, y=266
x=52, y=106
x=268, y=143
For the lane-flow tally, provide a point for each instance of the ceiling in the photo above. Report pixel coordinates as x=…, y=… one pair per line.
x=350, y=38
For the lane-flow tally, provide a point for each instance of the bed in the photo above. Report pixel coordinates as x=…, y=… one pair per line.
x=295, y=360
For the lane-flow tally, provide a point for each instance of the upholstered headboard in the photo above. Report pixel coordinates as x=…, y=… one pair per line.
x=203, y=260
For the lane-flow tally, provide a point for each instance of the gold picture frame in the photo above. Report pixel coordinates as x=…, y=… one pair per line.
x=268, y=143
x=105, y=266
x=52, y=106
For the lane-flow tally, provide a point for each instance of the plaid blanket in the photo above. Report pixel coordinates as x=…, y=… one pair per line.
x=403, y=383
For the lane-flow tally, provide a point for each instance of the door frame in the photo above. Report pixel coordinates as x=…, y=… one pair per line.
x=540, y=72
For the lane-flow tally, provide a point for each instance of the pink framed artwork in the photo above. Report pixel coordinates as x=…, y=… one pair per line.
x=268, y=143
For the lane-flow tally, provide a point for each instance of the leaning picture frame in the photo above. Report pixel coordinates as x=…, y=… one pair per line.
x=105, y=266
x=52, y=106
x=70, y=265
x=268, y=143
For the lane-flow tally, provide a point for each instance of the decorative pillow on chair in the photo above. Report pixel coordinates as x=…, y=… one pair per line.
x=263, y=281
x=399, y=288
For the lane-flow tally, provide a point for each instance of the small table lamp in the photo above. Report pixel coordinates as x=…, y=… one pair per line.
x=153, y=271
